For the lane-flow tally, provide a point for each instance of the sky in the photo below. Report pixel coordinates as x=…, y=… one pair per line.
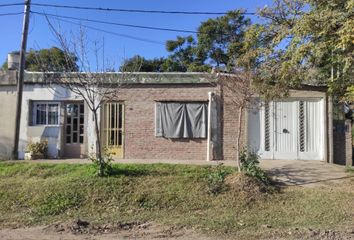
x=116, y=48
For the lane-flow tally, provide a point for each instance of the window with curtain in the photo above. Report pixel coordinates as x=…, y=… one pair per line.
x=181, y=120
x=45, y=113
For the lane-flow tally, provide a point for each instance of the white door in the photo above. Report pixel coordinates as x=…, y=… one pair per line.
x=291, y=129
x=285, y=130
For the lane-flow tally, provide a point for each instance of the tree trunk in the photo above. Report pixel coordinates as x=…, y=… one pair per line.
x=98, y=144
x=238, y=138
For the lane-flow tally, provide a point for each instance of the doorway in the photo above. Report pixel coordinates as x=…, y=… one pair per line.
x=74, y=130
x=113, y=128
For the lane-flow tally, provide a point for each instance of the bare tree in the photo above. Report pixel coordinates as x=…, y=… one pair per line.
x=95, y=86
x=239, y=97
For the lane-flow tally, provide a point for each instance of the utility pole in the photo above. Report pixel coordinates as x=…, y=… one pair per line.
x=21, y=77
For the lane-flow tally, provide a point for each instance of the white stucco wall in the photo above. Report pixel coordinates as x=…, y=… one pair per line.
x=41, y=92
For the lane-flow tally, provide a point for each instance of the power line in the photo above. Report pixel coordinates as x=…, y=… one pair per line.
x=11, y=4
x=109, y=32
x=134, y=10
x=10, y=14
x=117, y=24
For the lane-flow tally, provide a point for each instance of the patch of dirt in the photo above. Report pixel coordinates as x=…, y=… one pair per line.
x=80, y=230
x=246, y=186
x=313, y=234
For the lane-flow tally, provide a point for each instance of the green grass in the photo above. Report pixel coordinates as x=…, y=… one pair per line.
x=32, y=194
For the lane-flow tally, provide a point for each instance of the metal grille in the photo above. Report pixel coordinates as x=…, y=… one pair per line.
x=266, y=127
x=302, y=126
x=113, y=125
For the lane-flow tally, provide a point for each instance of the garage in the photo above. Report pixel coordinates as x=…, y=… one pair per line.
x=288, y=129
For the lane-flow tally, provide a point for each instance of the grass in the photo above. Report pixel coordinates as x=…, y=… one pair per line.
x=32, y=194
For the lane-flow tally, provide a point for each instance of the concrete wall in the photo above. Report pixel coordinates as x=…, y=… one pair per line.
x=7, y=120
x=53, y=134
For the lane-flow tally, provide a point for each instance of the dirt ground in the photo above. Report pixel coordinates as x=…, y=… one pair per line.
x=153, y=231
x=80, y=230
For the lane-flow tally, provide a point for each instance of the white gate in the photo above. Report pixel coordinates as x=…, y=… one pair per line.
x=291, y=129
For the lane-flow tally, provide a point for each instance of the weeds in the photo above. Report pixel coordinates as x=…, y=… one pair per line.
x=216, y=180
x=249, y=165
x=105, y=164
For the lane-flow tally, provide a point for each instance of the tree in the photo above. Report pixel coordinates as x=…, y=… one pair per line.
x=239, y=96
x=306, y=41
x=52, y=59
x=139, y=63
x=221, y=39
x=95, y=87
x=185, y=56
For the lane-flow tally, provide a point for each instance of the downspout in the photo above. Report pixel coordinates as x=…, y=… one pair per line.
x=210, y=97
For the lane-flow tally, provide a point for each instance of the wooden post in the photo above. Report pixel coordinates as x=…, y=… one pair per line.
x=21, y=77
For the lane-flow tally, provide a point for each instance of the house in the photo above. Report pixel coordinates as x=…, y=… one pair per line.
x=185, y=116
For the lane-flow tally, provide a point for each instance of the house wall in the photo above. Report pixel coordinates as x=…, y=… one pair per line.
x=52, y=134
x=7, y=120
x=140, y=139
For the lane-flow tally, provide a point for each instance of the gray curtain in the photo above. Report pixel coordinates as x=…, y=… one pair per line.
x=181, y=120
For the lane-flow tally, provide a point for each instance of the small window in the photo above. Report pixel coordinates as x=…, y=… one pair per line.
x=45, y=113
x=181, y=120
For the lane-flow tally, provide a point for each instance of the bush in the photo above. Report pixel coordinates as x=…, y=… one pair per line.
x=38, y=147
x=249, y=165
x=216, y=179
x=106, y=163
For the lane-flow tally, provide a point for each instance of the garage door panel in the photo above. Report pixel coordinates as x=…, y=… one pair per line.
x=285, y=131
x=290, y=129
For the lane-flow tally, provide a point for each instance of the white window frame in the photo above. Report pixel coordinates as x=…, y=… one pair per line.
x=34, y=113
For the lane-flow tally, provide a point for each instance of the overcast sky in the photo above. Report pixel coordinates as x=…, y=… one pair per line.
x=116, y=48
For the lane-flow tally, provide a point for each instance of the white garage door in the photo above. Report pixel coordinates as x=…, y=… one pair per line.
x=291, y=129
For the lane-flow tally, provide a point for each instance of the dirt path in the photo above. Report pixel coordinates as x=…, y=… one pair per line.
x=105, y=232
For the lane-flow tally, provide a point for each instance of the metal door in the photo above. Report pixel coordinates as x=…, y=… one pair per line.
x=285, y=130
x=290, y=129
x=113, y=128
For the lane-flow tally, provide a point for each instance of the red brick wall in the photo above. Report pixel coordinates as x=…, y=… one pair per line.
x=140, y=140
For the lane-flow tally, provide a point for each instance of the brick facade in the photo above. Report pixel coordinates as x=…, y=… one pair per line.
x=140, y=139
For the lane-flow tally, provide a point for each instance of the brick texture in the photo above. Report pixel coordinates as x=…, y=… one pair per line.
x=140, y=140
x=230, y=123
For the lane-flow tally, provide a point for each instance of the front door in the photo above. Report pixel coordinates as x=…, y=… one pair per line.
x=285, y=130
x=113, y=128
x=74, y=130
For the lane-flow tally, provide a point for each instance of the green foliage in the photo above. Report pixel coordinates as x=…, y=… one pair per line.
x=304, y=41
x=249, y=165
x=216, y=180
x=219, y=43
x=37, y=147
x=4, y=66
x=140, y=64
x=51, y=60
x=103, y=166
x=221, y=39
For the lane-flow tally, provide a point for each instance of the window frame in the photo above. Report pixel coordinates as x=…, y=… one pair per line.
x=46, y=103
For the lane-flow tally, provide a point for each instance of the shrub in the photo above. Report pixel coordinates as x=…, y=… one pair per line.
x=216, y=179
x=106, y=163
x=249, y=165
x=38, y=147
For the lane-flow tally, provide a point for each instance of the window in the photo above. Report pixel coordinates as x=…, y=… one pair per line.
x=45, y=113
x=181, y=120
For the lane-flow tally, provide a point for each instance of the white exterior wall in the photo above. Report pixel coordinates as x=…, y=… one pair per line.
x=41, y=92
